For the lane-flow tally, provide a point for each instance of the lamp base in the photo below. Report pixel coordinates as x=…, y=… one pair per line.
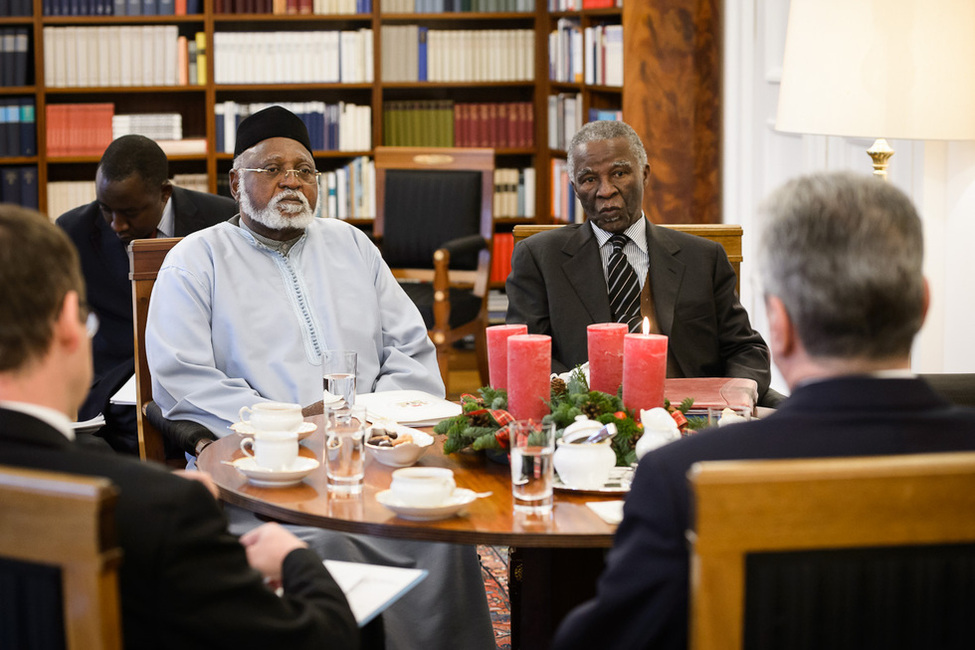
x=880, y=153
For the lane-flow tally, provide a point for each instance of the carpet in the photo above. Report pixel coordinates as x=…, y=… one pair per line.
x=494, y=569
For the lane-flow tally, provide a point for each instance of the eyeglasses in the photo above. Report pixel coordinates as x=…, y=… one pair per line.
x=92, y=324
x=275, y=174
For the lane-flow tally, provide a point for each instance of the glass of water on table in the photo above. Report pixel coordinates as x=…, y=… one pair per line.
x=338, y=371
x=532, y=446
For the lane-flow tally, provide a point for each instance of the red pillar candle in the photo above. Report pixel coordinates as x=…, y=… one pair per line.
x=497, y=344
x=606, y=356
x=529, y=372
x=644, y=369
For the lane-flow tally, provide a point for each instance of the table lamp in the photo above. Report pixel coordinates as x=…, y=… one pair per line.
x=880, y=69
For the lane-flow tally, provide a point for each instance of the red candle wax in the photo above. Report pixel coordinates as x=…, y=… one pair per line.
x=529, y=372
x=497, y=344
x=644, y=369
x=606, y=356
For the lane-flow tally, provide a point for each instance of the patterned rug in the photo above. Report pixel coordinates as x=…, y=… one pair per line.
x=494, y=569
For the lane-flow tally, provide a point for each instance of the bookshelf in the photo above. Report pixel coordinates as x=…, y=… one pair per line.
x=669, y=92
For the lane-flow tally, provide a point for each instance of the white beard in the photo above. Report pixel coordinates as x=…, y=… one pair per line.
x=275, y=215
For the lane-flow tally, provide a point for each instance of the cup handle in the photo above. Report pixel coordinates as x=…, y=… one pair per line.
x=245, y=443
x=240, y=414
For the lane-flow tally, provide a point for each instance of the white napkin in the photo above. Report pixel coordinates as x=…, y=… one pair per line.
x=609, y=511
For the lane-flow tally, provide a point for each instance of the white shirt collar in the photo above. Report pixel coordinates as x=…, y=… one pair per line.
x=167, y=224
x=54, y=418
x=637, y=232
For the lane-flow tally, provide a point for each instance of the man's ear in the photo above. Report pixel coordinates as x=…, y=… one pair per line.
x=782, y=333
x=166, y=191
x=69, y=328
x=234, y=179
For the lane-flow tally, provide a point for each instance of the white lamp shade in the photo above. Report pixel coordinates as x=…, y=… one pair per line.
x=880, y=68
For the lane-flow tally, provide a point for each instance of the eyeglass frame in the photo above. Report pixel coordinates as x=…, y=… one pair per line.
x=92, y=322
x=275, y=176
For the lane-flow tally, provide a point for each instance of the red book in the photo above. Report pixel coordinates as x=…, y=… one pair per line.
x=305, y=6
x=492, y=125
x=501, y=129
x=481, y=125
x=597, y=4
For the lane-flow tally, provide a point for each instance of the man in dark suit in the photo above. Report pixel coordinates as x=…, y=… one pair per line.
x=184, y=581
x=135, y=200
x=559, y=282
x=841, y=267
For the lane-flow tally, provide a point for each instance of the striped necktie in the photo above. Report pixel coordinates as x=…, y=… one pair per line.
x=624, y=288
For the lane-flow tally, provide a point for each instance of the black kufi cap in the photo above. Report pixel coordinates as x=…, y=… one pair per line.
x=272, y=122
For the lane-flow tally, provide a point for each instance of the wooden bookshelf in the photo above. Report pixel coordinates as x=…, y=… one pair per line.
x=670, y=93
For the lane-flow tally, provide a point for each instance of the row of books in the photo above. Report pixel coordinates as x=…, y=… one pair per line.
x=447, y=6
x=514, y=193
x=416, y=53
x=499, y=125
x=14, y=63
x=503, y=246
x=293, y=7
x=18, y=130
x=331, y=127
x=67, y=195
x=565, y=206
x=564, y=119
x=293, y=57
x=131, y=55
x=576, y=5
x=79, y=129
x=593, y=55
x=16, y=8
x=120, y=7
x=349, y=192
x=157, y=126
x=18, y=185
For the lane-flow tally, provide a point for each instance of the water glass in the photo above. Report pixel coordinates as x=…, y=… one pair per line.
x=345, y=460
x=338, y=371
x=532, y=446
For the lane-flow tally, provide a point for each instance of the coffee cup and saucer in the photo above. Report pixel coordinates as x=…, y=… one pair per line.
x=426, y=494
x=271, y=452
x=273, y=416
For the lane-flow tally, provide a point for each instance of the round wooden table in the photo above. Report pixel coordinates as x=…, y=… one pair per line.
x=554, y=560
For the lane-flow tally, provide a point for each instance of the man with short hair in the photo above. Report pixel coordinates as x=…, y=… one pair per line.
x=135, y=200
x=619, y=267
x=259, y=299
x=840, y=261
x=184, y=581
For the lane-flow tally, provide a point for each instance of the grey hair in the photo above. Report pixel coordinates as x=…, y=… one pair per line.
x=843, y=252
x=605, y=130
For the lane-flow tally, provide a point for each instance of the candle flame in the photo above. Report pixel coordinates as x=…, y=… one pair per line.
x=646, y=325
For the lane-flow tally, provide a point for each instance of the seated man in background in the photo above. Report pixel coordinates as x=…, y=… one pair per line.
x=619, y=267
x=840, y=262
x=259, y=298
x=184, y=580
x=135, y=200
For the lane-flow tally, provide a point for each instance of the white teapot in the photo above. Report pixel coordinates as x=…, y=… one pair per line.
x=580, y=464
x=659, y=428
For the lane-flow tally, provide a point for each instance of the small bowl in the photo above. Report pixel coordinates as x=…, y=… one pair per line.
x=402, y=455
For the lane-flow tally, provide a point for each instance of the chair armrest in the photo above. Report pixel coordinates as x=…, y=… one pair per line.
x=465, y=246
x=182, y=433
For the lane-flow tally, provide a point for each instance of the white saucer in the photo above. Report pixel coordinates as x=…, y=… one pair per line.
x=618, y=483
x=245, y=429
x=275, y=478
x=458, y=500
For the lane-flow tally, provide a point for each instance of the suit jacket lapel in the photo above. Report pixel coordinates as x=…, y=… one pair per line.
x=584, y=270
x=666, y=275
x=185, y=217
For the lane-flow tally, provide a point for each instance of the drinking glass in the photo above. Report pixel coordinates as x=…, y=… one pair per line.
x=532, y=446
x=338, y=370
x=345, y=460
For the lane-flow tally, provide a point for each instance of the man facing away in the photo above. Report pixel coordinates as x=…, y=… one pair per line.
x=184, y=580
x=619, y=267
x=840, y=261
x=259, y=299
x=135, y=200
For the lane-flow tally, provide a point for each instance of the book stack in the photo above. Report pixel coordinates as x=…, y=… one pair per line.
x=565, y=52
x=564, y=119
x=565, y=206
x=67, y=195
x=120, y=7
x=197, y=182
x=13, y=8
x=415, y=53
x=349, y=192
x=514, y=193
x=604, y=55
x=421, y=123
x=14, y=42
x=576, y=5
x=450, y=6
x=310, y=57
x=157, y=126
x=500, y=125
x=131, y=55
x=609, y=114
x=285, y=7
x=79, y=129
x=18, y=185
x=331, y=127
x=504, y=244
x=497, y=299
x=18, y=135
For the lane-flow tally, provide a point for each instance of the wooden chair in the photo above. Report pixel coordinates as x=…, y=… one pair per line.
x=434, y=223
x=57, y=531
x=728, y=235
x=838, y=553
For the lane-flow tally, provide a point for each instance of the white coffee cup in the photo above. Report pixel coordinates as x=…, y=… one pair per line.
x=423, y=486
x=273, y=416
x=275, y=451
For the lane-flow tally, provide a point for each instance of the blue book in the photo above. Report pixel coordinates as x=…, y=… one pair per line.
x=422, y=54
x=10, y=185
x=28, y=187
x=11, y=124
x=5, y=148
x=28, y=129
x=150, y=7
x=133, y=8
x=192, y=7
x=118, y=7
x=166, y=7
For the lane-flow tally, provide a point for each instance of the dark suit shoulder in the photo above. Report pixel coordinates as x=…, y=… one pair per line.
x=197, y=210
x=78, y=222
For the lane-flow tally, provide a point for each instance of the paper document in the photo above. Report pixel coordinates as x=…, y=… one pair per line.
x=410, y=407
x=371, y=588
x=126, y=394
x=89, y=426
